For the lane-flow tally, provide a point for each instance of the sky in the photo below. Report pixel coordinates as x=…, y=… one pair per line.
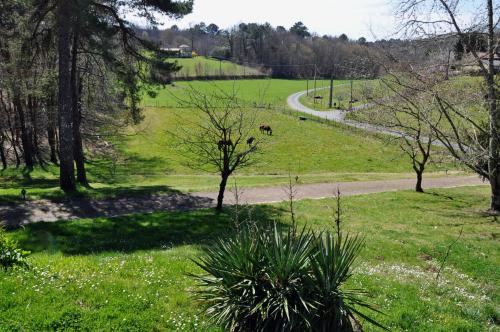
x=371, y=19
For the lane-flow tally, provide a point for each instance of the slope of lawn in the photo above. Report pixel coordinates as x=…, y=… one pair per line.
x=300, y=146
x=148, y=159
x=132, y=273
x=461, y=90
x=260, y=92
x=201, y=67
x=341, y=94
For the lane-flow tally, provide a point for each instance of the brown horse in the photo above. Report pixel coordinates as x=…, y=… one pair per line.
x=223, y=143
x=266, y=129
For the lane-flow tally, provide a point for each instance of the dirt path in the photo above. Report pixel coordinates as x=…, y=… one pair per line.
x=19, y=214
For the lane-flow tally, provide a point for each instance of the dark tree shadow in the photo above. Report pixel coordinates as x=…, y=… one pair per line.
x=103, y=169
x=119, y=168
x=77, y=206
x=27, y=182
x=135, y=232
x=437, y=194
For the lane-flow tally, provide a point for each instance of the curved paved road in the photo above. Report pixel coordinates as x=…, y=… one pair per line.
x=337, y=115
x=19, y=214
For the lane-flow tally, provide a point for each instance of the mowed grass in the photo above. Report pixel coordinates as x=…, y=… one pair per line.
x=257, y=92
x=460, y=90
x=302, y=147
x=341, y=94
x=201, y=66
x=132, y=273
x=147, y=159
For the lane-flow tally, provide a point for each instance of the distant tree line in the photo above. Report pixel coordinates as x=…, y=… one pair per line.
x=288, y=53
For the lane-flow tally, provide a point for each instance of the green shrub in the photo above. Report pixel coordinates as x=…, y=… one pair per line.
x=331, y=262
x=281, y=280
x=10, y=254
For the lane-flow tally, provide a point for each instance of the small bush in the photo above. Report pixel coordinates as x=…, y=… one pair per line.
x=10, y=254
x=281, y=280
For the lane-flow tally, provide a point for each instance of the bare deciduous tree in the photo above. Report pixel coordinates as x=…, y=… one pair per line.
x=223, y=139
x=469, y=138
x=411, y=114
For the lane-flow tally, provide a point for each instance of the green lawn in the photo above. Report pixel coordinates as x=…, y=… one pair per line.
x=131, y=273
x=257, y=92
x=147, y=159
x=462, y=91
x=341, y=94
x=200, y=66
x=302, y=146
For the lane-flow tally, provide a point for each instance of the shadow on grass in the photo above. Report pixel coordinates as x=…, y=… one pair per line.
x=112, y=192
x=77, y=206
x=83, y=192
x=27, y=182
x=457, y=210
x=120, y=167
x=112, y=169
x=437, y=194
x=134, y=232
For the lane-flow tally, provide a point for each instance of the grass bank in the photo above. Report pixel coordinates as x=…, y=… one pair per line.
x=131, y=273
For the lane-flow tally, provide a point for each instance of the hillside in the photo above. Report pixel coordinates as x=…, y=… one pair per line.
x=202, y=67
x=147, y=158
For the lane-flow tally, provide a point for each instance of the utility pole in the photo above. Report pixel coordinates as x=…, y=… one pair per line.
x=330, y=101
x=307, y=86
x=220, y=67
x=350, y=101
x=447, y=74
x=314, y=91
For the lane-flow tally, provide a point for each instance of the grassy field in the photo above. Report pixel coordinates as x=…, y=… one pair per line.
x=341, y=94
x=131, y=273
x=147, y=158
x=462, y=90
x=200, y=67
x=302, y=146
x=259, y=92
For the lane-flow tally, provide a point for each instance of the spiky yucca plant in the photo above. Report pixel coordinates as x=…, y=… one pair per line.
x=281, y=280
x=331, y=266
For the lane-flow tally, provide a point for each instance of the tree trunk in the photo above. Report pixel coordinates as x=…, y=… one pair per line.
x=2, y=151
x=66, y=166
x=37, y=152
x=76, y=89
x=330, y=99
x=51, y=130
x=51, y=134
x=495, y=194
x=418, y=185
x=25, y=136
x=494, y=144
x=12, y=133
x=16, y=154
x=222, y=189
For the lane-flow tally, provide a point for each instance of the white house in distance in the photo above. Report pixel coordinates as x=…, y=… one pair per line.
x=183, y=51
